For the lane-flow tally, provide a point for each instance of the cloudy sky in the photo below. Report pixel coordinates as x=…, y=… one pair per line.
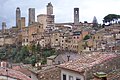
x=63, y=9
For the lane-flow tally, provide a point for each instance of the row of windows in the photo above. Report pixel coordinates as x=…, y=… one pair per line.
x=76, y=37
x=25, y=40
x=70, y=77
x=71, y=46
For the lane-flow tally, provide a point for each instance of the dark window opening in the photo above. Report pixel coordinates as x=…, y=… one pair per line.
x=56, y=39
x=26, y=40
x=64, y=77
x=78, y=79
x=58, y=62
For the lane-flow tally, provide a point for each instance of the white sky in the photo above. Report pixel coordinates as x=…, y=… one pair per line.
x=63, y=9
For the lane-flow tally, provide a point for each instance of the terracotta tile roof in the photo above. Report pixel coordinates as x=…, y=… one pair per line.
x=13, y=74
x=86, y=61
x=115, y=75
x=22, y=69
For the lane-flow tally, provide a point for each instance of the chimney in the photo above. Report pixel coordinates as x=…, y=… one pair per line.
x=68, y=58
x=3, y=64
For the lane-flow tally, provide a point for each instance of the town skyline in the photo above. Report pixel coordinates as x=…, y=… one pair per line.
x=60, y=10
x=59, y=41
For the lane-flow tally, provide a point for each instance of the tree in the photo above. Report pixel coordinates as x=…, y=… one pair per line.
x=95, y=22
x=111, y=18
x=33, y=49
x=86, y=37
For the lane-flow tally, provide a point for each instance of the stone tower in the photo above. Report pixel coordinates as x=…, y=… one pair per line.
x=49, y=9
x=76, y=16
x=3, y=27
x=18, y=17
x=22, y=22
x=31, y=16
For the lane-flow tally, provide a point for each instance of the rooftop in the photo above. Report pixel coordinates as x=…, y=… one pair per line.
x=87, y=61
x=13, y=74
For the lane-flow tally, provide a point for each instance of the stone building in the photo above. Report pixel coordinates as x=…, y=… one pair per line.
x=31, y=16
x=55, y=39
x=42, y=19
x=34, y=32
x=25, y=37
x=23, y=22
x=62, y=57
x=87, y=65
x=47, y=19
x=83, y=68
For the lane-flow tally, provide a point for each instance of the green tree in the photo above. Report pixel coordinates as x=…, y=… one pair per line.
x=33, y=49
x=87, y=37
x=111, y=18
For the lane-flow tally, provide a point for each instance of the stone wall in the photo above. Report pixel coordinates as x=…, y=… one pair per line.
x=50, y=74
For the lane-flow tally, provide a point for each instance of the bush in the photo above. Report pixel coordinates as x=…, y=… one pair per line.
x=86, y=37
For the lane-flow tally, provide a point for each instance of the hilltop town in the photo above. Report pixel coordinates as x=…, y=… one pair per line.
x=46, y=50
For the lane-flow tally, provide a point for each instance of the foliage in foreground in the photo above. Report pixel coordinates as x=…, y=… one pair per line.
x=26, y=54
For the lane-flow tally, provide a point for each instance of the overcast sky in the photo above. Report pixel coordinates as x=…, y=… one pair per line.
x=63, y=9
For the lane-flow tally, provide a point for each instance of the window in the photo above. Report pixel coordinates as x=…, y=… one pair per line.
x=70, y=77
x=98, y=37
x=76, y=12
x=84, y=47
x=78, y=79
x=64, y=77
x=26, y=40
x=58, y=62
x=23, y=40
x=56, y=39
x=90, y=48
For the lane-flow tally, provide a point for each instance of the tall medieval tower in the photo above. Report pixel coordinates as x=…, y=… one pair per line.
x=3, y=27
x=18, y=17
x=76, y=16
x=31, y=16
x=49, y=9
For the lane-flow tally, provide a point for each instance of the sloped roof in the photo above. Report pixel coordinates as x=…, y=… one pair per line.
x=86, y=61
x=13, y=74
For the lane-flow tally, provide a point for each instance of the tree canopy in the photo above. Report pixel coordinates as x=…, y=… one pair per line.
x=111, y=18
x=86, y=37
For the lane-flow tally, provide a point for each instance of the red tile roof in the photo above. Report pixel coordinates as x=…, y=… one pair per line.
x=13, y=74
x=22, y=69
x=86, y=61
